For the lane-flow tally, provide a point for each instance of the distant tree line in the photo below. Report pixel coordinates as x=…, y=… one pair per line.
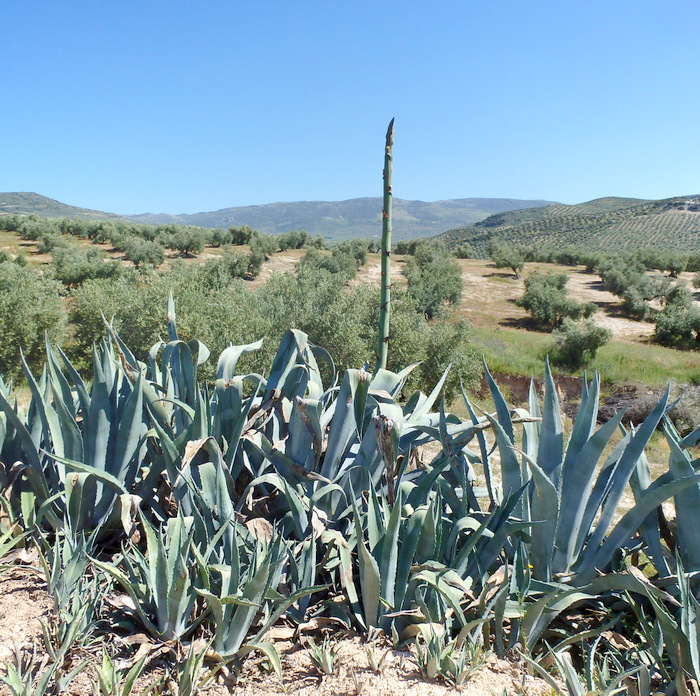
x=143, y=245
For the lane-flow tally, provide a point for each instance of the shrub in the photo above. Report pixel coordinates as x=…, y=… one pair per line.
x=506, y=255
x=578, y=341
x=29, y=307
x=464, y=251
x=218, y=273
x=218, y=237
x=143, y=252
x=678, y=325
x=434, y=278
x=241, y=235
x=188, y=241
x=342, y=263
x=546, y=299
x=635, y=304
x=73, y=266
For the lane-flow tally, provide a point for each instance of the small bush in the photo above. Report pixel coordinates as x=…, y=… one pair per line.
x=578, y=342
x=434, y=278
x=678, y=325
x=546, y=299
x=464, y=251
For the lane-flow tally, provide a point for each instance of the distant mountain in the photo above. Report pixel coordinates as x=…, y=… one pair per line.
x=33, y=203
x=357, y=217
x=606, y=224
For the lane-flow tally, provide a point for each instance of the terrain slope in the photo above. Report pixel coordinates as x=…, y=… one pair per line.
x=605, y=224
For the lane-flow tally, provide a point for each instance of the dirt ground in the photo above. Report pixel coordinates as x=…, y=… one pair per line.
x=489, y=298
x=24, y=604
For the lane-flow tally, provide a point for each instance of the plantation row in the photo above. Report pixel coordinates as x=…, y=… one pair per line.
x=620, y=225
x=143, y=245
x=510, y=536
x=67, y=300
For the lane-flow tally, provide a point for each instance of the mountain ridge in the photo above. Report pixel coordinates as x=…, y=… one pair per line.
x=354, y=217
x=334, y=220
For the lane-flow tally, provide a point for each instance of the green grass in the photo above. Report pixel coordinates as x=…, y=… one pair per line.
x=515, y=352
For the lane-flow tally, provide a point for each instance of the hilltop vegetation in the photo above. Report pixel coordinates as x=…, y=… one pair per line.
x=605, y=224
x=227, y=284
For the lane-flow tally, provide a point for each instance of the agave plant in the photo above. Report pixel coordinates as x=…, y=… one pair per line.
x=77, y=449
x=160, y=583
x=570, y=504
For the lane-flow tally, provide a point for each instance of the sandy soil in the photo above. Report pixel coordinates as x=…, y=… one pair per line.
x=24, y=602
x=489, y=298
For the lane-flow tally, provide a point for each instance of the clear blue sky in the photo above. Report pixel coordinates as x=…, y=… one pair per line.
x=180, y=107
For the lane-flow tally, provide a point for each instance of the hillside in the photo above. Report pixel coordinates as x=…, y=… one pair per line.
x=357, y=217
x=33, y=203
x=603, y=224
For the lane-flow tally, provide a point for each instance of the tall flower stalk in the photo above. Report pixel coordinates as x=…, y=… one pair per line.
x=385, y=301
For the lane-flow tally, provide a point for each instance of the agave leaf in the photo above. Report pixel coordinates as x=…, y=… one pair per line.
x=130, y=588
x=97, y=427
x=419, y=522
x=81, y=494
x=49, y=417
x=578, y=477
x=502, y=410
x=461, y=559
x=546, y=609
x=293, y=352
x=690, y=608
x=71, y=436
x=345, y=424
x=305, y=437
x=545, y=514
x=103, y=477
x=598, y=557
x=391, y=382
x=640, y=481
x=687, y=504
x=129, y=433
x=551, y=438
x=584, y=425
x=483, y=448
x=390, y=552
x=370, y=578
x=510, y=466
x=623, y=471
x=29, y=448
x=425, y=405
x=252, y=596
x=268, y=650
x=691, y=439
